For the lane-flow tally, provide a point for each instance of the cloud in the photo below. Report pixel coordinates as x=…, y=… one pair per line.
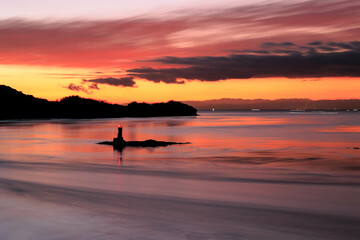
x=114, y=43
x=77, y=88
x=326, y=48
x=123, y=82
x=272, y=44
x=298, y=62
x=94, y=86
x=287, y=52
x=252, y=51
x=315, y=43
x=342, y=45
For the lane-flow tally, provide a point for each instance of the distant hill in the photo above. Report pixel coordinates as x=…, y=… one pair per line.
x=17, y=105
x=279, y=104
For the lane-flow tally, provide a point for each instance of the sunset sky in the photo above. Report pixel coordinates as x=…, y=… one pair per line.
x=157, y=50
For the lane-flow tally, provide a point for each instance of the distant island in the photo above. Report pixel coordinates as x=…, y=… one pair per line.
x=277, y=104
x=17, y=105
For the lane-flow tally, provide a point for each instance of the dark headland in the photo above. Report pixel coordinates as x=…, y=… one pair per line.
x=16, y=105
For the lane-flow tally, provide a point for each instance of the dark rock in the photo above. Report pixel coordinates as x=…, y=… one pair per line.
x=119, y=145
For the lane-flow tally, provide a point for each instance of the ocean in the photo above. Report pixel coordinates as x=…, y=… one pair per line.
x=244, y=175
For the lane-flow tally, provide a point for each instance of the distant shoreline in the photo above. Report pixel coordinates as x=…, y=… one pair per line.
x=276, y=105
x=278, y=110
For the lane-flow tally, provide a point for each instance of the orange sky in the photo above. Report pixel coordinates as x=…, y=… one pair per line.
x=50, y=87
x=251, y=50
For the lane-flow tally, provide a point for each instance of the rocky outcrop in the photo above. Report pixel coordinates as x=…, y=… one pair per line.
x=119, y=145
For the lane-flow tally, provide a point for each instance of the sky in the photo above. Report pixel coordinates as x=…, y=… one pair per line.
x=157, y=50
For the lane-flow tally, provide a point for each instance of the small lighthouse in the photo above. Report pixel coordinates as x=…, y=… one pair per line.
x=119, y=139
x=119, y=136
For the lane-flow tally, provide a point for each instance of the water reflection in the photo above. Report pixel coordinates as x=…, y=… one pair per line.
x=120, y=157
x=285, y=172
x=211, y=135
x=346, y=129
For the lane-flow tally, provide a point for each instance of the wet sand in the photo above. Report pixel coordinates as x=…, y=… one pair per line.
x=144, y=204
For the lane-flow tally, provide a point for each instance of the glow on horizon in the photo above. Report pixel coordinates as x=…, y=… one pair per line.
x=50, y=86
x=42, y=57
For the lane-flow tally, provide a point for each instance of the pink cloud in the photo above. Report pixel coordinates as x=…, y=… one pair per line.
x=122, y=43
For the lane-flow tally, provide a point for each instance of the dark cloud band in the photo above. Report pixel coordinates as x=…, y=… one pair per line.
x=123, y=82
x=77, y=88
x=117, y=82
x=285, y=60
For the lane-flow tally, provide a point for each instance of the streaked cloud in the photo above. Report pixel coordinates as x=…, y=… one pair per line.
x=121, y=43
x=118, y=82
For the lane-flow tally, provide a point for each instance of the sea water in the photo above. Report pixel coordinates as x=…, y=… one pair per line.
x=244, y=175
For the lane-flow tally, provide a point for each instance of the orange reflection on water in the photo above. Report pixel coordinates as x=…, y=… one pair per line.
x=240, y=121
x=241, y=143
x=53, y=139
x=267, y=138
x=350, y=129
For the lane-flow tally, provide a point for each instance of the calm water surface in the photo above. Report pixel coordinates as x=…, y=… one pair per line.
x=245, y=175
